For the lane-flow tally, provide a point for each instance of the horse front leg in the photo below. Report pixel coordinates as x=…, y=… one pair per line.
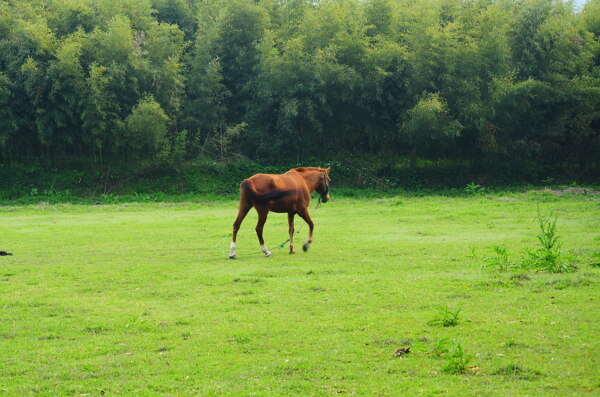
x=304, y=215
x=262, y=218
x=291, y=230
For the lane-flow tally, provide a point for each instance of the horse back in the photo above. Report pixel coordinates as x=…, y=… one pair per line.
x=282, y=190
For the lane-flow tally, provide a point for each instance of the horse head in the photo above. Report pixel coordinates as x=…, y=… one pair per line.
x=323, y=186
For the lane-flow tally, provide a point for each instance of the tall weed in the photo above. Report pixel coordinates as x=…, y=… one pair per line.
x=549, y=256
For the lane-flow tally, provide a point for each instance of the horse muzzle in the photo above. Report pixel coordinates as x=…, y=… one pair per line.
x=325, y=198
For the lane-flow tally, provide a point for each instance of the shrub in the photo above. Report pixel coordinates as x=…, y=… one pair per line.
x=474, y=189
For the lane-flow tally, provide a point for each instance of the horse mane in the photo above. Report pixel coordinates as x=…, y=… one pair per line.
x=305, y=169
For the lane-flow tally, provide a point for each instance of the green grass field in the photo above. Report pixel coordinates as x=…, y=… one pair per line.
x=137, y=298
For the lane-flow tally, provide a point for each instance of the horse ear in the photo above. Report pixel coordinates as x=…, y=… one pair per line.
x=327, y=170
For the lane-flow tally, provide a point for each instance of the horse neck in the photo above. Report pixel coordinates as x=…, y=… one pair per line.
x=312, y=179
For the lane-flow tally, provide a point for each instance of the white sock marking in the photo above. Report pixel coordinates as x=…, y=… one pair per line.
x=265, y=250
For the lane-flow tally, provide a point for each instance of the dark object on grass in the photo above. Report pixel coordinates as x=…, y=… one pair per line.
x=4, y=253
x=402, y=351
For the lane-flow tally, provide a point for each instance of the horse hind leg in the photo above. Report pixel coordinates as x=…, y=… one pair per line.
x=242, y=212
x=262, y=218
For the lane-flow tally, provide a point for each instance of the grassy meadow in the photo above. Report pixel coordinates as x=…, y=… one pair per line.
x=141, y=298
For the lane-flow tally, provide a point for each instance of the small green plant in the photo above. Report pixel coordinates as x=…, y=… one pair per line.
x=446, y=317
x=549, y=256
x=474, y=189
x=500, y=260
x=458, y=361
x=441, y=347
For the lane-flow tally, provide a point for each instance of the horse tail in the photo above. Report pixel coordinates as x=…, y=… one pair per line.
x=248, y=188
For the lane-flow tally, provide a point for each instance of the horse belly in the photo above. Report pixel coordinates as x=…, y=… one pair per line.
x=281, y=206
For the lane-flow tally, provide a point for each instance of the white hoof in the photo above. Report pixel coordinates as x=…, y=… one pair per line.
x=232, y=256
x=268, y=253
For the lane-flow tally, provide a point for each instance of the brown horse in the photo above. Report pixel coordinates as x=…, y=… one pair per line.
x=289, y=192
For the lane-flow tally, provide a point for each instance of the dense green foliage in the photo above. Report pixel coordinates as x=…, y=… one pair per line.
x=147, y=82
